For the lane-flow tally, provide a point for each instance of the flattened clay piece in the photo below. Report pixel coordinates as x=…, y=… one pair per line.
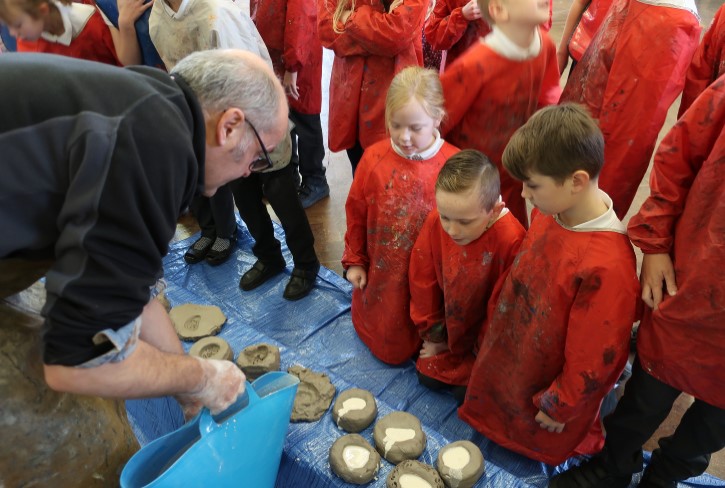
x=413, y=474
x=353, y=459
x=314, y=395
x=460, y=464
x=193, y=322
x=212, y=348
x=354, y=410
x=258, y=359
x=398, y=436
x=161, y=297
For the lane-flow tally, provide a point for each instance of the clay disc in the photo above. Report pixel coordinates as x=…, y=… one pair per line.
x=258, y=359
x=314, y=395
x=353, y=459
x=212, y=348
x=193, y=322
x=354, y=410
x=413, y=473
x=398, y=436
x=460, y=464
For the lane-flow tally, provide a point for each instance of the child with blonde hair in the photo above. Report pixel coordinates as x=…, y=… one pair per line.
x=466, y=245
x=388, y=202
x=75, y=29
x=372, y=40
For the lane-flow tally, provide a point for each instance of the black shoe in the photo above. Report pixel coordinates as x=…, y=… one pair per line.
x=651, y=480
x=221, y=250
x=590, y=474
x=258, y=274
x=198, y=251
x=300, y=284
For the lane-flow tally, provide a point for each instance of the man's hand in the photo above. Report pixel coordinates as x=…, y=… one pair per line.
x=290, y=84
x=657, y=270
x=222, y=383
x=357, y=276
x=546, y=422
x=471, y=11
x=430, y=349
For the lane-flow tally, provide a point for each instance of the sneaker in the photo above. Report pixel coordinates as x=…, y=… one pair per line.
x=589, y=474
x=311, y=194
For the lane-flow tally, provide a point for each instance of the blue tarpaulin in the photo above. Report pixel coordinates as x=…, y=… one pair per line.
x=317, y=333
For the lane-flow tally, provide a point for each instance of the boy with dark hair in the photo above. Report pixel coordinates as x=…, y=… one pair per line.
x=681, y=340
x=465, y=246
x=557, y=338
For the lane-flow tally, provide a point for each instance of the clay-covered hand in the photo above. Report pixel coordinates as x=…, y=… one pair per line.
x=130, y=10
x=562, y=57
x=471, y=11
x=290, y=84
x=430, y=349
x=357, y=276
x=657, y=273
x=221, y=384
x=546, y=422
x=394, y=5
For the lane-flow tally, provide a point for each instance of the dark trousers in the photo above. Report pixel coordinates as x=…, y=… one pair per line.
x=216, y=214
x=308, y=145
x=458, y=391
x=644, y=406
x=355, y=154
x=279, y=188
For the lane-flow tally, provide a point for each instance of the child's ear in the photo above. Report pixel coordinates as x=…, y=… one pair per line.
x=580, y=180
x=497, y=11
x=497, y=209
x=43, y=9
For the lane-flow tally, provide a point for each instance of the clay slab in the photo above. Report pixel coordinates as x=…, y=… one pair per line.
x=353, y=459
x=212, y=348
x=258, y=359
x=460, y=464
x=314, y=395
x=411, y=473
x=193, y=322
x=354, y=410
x=398, y=436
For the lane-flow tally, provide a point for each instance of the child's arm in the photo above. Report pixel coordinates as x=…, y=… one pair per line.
x=124, y=38
x=445, y=27
x=550, y=87
x=460, y=88
x=356, y=211
x=572, y=20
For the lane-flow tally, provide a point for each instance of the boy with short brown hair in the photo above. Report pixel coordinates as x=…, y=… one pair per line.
x=463, y=249
x=557, y=339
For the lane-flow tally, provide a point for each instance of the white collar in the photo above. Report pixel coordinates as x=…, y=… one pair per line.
x=688, y=5
x=74, y=17
x=179, y=14
x=607, y=221
x=427, y=154
x=502, y=45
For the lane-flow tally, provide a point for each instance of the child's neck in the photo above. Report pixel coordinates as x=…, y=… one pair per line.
x=590, y=207
x=522, y=36
x=174, y=4
x=53, y=23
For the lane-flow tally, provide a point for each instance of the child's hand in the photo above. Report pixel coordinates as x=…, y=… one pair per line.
x=357, y=276
x=471, y=11
x=290, y=84
x=431, y=349
x=130, y=10
x=546, y=422
x=656, y=269
x=394, y=5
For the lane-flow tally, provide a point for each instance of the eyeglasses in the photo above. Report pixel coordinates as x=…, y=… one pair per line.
x=260, y=164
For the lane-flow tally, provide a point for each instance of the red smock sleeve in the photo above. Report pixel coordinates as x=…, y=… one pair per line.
x=356, y=211
x=341, y=44
x=427, y=308
x=387, y=34
x=445, y=26
x=299, y=38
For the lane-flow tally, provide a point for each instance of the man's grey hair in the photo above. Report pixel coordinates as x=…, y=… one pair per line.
x=222, y=79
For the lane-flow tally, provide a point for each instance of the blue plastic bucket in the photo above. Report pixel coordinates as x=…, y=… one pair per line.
x=241, y=446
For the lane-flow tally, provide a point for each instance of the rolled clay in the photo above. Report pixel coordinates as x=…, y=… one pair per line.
x=354, y=410
x=193, y=322
x=353, y=459
x=314, y=395
x=413, y=474
x=460, y=464
x=258, y=359
x=398, y=436
x=212, y=348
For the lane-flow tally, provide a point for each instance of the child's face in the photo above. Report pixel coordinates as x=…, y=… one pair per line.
x=22, y=25
x=530, y=12
x=411, y=128
x=547, y=195
x=462, y=215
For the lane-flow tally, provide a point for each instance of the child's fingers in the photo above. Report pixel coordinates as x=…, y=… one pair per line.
x=647, y=295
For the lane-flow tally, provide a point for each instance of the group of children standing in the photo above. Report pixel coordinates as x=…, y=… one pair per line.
x=526, y=321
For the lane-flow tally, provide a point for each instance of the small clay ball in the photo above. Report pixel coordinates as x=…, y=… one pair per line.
x=460, y=464
x=353, y=459
x=398, y=436
x=354, y=410
x=212, y=348
x=314, y=395
x=193, y=322
x=413, y=474
x=258, y=359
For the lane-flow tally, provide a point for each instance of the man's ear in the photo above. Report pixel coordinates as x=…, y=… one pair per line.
x=229, y=127
x=580, y=180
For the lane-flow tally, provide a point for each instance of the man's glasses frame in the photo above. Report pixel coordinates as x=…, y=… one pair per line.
x=259, y=164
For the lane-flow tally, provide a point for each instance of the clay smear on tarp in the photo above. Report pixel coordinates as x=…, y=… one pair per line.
x=314, y=395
